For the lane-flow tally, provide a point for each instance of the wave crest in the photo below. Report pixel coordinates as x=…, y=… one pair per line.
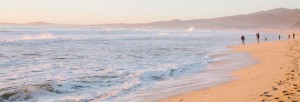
x=41, y=36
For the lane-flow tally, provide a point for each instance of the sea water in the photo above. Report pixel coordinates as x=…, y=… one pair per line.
x=50, y=64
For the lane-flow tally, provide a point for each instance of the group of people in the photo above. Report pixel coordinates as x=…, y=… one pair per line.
x=258, y=37
x=293, y=36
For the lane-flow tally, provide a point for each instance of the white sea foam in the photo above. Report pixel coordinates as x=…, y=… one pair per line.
x=191, y=29
x=101, y=64
x=37, y=37
x=25, y=37
x=163, y=34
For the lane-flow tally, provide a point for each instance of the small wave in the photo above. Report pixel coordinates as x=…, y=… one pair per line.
x=30, y=54
x=62, y=58
x=29, y=92
x=37, y=37
x=171, y=70
x=42, y=36
x=163, y=34
x=191, y=29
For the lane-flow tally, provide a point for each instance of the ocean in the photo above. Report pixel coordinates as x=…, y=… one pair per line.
x=66, y=64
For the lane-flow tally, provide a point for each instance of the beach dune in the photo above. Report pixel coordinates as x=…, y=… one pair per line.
x=276, y=77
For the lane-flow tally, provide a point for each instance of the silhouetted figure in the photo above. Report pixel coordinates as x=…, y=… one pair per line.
x=243, y=39
x=257, y=36
x=294, y=36
x=279, y=37
x=289, y=36
x=266, y=39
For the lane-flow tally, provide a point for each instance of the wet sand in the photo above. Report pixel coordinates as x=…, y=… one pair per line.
x=275, y=78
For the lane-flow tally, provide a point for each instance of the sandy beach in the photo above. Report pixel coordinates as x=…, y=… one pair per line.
x=276, y=77
x=149, y=51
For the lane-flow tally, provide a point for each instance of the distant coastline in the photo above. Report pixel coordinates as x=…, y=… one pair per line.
x=280, y=18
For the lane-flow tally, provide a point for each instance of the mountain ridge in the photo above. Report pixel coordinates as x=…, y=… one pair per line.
x=274, y=18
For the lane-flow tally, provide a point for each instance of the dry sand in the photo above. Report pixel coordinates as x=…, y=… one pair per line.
x=275, y=78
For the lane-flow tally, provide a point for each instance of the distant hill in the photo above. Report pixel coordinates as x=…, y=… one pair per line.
x=33, y=24
x=1, y=23
x=275, y=18
x=39, y=24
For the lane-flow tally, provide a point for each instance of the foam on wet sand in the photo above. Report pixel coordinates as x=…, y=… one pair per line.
x=275, y=78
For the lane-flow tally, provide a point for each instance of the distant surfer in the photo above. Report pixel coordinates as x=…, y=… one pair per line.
x=294, y=36
x=243, y=39
x=266, y=39
x=257, y=36
x=279, y=37
x=289, y=36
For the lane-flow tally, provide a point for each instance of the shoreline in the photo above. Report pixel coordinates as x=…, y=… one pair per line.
x=216, y=73
x=219, y=71
x=253, y=83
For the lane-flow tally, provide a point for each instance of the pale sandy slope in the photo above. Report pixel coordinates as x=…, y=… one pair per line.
x=274, y=78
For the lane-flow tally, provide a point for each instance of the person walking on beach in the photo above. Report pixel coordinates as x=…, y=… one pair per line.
x=257, y=36
x=266, y=39
x=279, y=37
x=289, y=36
x=243, y=39
x=294, y=36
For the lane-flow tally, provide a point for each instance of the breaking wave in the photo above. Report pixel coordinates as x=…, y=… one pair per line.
x=42, y=36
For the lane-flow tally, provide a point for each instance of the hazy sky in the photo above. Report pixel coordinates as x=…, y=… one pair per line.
x=129, y=11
